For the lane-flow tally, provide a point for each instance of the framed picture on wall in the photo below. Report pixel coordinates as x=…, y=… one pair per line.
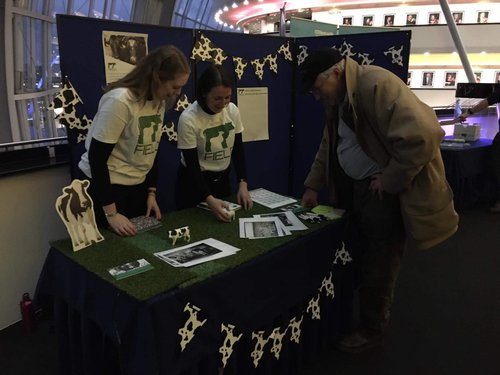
x=411, y=18
x=367, y=20
x=497, y=77
x=347, y=21
x=458, y=17
x=478, y=76
x=482, y=16
x=433, y=18
x=450, y=79
x=427, y=79
x=389, y=20
x=408, y=80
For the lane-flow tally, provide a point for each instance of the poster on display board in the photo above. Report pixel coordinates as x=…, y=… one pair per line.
x=252, y=102
x=122, y=51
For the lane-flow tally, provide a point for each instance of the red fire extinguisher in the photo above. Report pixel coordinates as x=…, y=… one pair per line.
x=27, y=313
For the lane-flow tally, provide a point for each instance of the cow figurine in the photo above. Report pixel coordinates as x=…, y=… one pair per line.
x=76, y=209
x=182, y=232
x=231, y=213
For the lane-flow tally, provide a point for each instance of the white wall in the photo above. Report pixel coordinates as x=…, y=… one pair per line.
x=27, y=224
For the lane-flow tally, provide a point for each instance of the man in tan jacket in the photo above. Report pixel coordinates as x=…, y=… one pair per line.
x=380, y=159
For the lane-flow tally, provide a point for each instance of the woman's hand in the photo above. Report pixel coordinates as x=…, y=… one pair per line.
x=219, y=208
x=152, y=206
x=243, y=196
x=121, y=225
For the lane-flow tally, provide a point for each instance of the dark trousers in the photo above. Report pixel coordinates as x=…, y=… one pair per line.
x=377, y=232
x=130, y=200
x=188, y=194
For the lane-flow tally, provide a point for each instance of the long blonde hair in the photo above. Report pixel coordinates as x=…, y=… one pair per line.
x=160, y=65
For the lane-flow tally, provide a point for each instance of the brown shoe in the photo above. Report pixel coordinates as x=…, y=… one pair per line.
x=360, y=340
x=495, y=209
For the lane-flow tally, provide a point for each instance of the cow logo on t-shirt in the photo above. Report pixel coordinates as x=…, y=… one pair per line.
x=147, y=141
x=217, y=137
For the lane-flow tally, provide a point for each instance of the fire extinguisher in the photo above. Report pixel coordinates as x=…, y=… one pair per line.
x=27, y=313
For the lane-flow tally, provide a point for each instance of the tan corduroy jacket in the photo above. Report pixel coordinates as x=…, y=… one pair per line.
x=402, y=134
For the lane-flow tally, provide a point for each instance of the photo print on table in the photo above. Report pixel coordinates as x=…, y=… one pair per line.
x=408, y=79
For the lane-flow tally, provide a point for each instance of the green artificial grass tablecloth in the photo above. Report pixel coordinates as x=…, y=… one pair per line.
x=116, y=250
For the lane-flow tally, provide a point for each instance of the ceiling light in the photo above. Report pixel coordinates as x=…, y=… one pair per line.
x=234, y=6
x=225, y=8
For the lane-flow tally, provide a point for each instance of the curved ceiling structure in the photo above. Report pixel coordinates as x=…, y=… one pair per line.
x=238, y=13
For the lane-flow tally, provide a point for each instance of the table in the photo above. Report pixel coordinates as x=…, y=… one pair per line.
x=103, y=329
x=467, y=172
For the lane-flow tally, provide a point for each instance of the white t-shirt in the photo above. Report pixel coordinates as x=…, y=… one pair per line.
x=212, y=135
x=135, y=130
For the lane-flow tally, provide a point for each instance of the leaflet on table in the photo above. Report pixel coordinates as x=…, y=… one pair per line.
x=262, y=227
x=130, y=269
x=144, y=223
x=196, y=253
x=232, y=206
x=270, y=199
x=328, y=211
x=288, y=218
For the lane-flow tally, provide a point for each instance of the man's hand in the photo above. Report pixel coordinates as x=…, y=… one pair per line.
x=376, y=185
x=310, y=198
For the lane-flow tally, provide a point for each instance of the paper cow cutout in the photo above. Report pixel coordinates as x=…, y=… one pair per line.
x=227, y=346
x=182, y=232
x=277, y=337
x=285, y=51
x=396, y=55
x=313, y=308
x=191, y=325
x=239, y=66
x=76, y=209
x=327, y=285
x=343, y=255
x=169, y=130
x=258, y=350
x=295, y=329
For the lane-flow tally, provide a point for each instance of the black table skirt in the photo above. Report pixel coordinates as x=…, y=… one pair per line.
x=468, y=171
x=101, y=330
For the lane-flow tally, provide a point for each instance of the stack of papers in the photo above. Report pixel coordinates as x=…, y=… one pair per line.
x=270, y=199
x=276, y=224
x=196, y=253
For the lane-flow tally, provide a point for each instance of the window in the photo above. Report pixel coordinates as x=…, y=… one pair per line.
x=32, y=75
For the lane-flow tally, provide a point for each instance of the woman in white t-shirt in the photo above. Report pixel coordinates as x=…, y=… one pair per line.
x=209, y=135
x=123, y=140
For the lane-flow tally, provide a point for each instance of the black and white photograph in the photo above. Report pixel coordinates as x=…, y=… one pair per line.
x=347, y=21
x=433, y=18
x=367, y=20
x=427, y=79
x=262, y=227
x=408, y=79
x=497, y=77
x=288, y=218
x=122, y=51
x=450, y=79
x=411, y=18
x=196, y=253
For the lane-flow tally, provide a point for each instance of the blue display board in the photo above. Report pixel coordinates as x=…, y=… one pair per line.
x=295, y=121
